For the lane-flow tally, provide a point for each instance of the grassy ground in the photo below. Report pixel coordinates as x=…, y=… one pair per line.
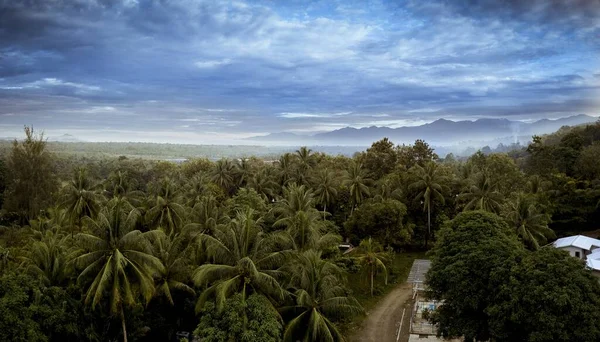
x=398, y=272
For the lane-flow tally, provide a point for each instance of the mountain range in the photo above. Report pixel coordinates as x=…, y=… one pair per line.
x=441, y=132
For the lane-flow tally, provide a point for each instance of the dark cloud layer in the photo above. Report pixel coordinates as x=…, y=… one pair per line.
x=195, y=70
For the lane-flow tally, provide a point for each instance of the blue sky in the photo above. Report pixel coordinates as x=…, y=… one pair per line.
x=196, y=71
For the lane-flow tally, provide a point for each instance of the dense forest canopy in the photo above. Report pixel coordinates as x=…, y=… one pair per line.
x=100, y=248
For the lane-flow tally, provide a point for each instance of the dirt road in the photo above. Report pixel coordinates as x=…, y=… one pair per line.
x=381, y=324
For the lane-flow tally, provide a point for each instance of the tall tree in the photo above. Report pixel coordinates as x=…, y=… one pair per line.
x=81, y=198
x=380, y=159
x=31, y=181
x=167, y=212
x=529, y=222
x=358, y=183
x=471, y=260
x=482, y=194
x=372, y=257
x=305, y=164
x=325, y=188
x=242, y=260
x=172, y=250
x=116, y=262
x=223, y=174
x=46, y=258
x=429, y=185
x=319, y=299
x=285, y=166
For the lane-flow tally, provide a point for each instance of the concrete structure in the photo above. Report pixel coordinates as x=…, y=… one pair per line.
x=582, y=247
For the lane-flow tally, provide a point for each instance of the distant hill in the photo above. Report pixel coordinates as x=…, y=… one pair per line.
x=64, y=138
x=441, y=132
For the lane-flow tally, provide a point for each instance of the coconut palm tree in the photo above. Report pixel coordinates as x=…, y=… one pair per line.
x=120, y=185
x=243, y=172
x=167, y=212
x=319, y=297
x=530, y=224
x=305, y=164
x=262, y=182
x=115, y=262
x=325, y=188
x=372, y=257
x=304, y=228
x=194, y=189
x=358, y=184
x=482, y=194
x=223, y=173
x=241, y=260
x=172, y=250
x=428, y=183
x=285, y=165
x=46, y=258
x=81, y=197
x=207, y=214
x=296, y=198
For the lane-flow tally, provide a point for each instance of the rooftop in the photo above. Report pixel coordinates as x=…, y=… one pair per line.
x=578, y=241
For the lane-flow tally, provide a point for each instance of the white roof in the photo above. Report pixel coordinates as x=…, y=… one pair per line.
x=594, y=255
x=593, y=264
x=578, y=241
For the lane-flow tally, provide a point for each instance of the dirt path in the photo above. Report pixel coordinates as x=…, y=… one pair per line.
x=381, y=324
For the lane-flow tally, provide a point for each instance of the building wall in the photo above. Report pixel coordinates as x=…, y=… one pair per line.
x=573, y=250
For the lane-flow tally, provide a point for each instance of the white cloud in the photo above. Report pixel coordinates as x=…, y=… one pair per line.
x=210, y=64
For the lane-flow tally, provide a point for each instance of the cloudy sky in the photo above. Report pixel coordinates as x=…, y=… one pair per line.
x=217, y=71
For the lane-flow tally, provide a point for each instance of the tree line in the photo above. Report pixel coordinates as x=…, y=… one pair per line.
x=247, y=249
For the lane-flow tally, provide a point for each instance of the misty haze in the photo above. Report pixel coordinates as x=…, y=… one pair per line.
x=319, y=170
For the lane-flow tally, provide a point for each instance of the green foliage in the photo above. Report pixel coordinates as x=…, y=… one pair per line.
x=372, y=258
x=381, y=220
x=380, y=159
x=31, y=182
x=319, y=298
x=549, y=296
x=158, y=238
x=470, y=261
x=241, y=260
x=242, y=319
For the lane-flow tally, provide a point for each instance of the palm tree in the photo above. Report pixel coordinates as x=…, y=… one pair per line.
x=207, y=214
x=263, y=184
x=305, y=163
x=115, y=261
x=286, y=169
x=46, y=258
x=243, y=172
x=371, y=256
x=241, y=259
x=172, y=251
x=167, y=212
x=296, y=198
x=81, y=198
x=194, y=189
x=120, y=185
x=530, y=224
x=297, y=213
x=319, y=297
x=428, y=183
x=223, y=173
x=483, y=194
x=325, y=188
x=388, y=190
x=358, y=184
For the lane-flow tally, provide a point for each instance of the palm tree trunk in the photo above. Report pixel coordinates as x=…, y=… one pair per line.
x=123, y=325
x=324, y=210
x=372, y=281
x=428, y=225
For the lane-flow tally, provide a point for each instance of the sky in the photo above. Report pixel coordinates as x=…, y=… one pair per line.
x=195, y=71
